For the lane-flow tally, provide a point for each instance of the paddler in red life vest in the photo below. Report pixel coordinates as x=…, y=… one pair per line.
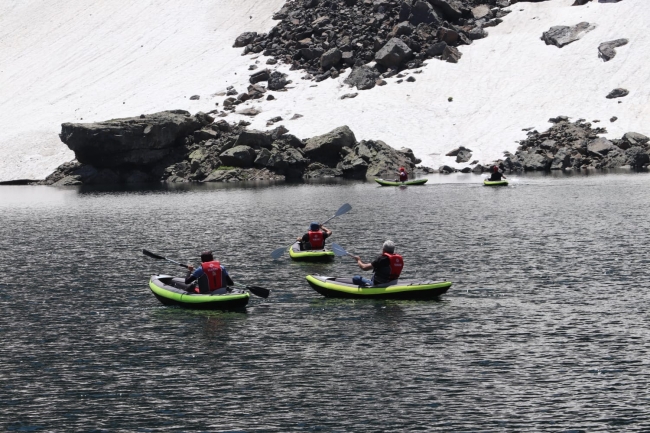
x=387, y=266
x=403, y=175
x=314, y=239
x=496, y=174
x=212, y=277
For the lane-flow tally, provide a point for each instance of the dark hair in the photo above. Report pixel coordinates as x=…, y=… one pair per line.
x=206, y=256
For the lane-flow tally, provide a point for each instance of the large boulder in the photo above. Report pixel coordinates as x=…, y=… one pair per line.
x=636, y=157
x=393, y=53
x=238, y=156
x=287, y=160
x=132, y=141
x=635, y=139
x=600, y=146
x=326, y=148
x=561, y=36
x=254, y=139
x=363, y=77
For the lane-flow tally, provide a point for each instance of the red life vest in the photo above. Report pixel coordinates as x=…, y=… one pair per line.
x=403, y=176
x=396, y=265
x=316, y=240
x=213, y=271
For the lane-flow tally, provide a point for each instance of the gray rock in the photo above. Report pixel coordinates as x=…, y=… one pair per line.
x=457, y=150
x=437, y=49
x=463, y=156
x=363, y=77
x=244, y=39
x=383, y=161
x=599, y=146
x=636, y=157
x=316, y=170
x=259, y=76
x=561, y=36
x=617, y=93
x=607, y=50
x=129, y=141
x=481, y=11
x=353, y=167
x=349, y=95
x=325, y=148
x=535, y=161
x=262, y=159
x=561, y=160
x=635, y=139
x=393, y=53
x=330, y=58
x=277, y=81
x=238, y=156
x=453, y=9
x=451, y=54
x=224, y=176
x=449, y=36
x=422, y=12
x=403, y=28
x=254, y=139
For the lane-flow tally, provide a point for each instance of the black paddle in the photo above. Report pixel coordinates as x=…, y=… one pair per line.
x=277, y=253
x=255, y=290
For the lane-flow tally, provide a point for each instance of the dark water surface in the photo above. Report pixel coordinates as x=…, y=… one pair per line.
x=545, y=327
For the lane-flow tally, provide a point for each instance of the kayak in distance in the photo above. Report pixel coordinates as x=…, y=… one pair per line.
x=164, y=288
x=413, y=182
x=333, y=287
x=495, y=182
x=310, y=255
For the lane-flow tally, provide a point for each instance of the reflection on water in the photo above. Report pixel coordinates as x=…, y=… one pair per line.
x=545, y=328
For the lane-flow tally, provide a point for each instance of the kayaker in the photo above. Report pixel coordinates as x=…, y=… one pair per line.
x=403, y=175
x=314, y=239
x=387, y=266
x=496, y=174
x=211, y=275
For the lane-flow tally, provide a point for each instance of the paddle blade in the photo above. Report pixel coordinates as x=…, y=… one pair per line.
x=339, y=250
x=343, y=209
x=276, y=254
x=152, y=255
x=259, y=291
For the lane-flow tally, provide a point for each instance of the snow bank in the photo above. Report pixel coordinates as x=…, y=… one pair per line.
x=71, y=61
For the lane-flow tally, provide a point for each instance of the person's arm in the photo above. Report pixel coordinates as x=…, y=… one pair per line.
x=190, y=274
x=363, y=266
x=327, y=231
x=227, y=278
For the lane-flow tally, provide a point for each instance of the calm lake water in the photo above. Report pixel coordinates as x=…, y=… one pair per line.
x=546, y=327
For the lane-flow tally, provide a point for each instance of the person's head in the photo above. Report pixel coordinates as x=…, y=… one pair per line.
x=206, y=256
x=495, y=169
x=402, y=169
x=314, y=226
x=388, y=247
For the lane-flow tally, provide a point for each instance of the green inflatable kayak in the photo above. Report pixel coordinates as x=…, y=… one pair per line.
x=164, y=287
x=310, y=255
x=495, y=183
x=383, y=182
x=333, y=287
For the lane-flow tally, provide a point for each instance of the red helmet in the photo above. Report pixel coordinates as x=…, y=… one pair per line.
x=402, y=169
x=495, y=169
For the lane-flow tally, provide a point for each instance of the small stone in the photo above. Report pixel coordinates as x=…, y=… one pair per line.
x=270, y=97
x=410, y=79
x=613, y=119
x=195, y=98
x=618, y=93
x=349, y=95
x=296, y=116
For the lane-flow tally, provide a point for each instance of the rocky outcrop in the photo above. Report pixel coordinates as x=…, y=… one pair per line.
x=327, y=37
x=607, y=50
x=135, y=141
x=197, y=150
x=561, y=36
x=577, y=146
